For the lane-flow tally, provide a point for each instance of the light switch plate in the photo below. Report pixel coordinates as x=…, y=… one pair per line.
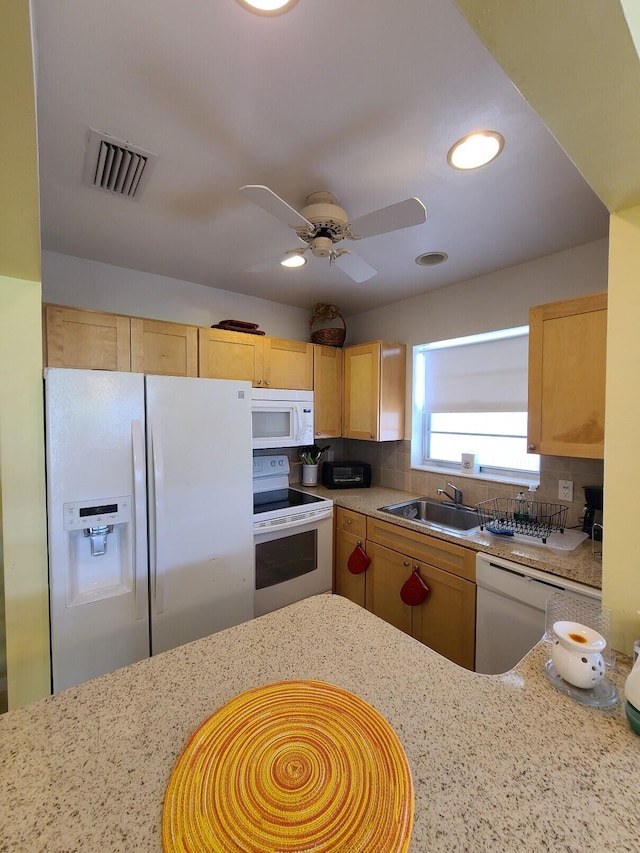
x=565, y=490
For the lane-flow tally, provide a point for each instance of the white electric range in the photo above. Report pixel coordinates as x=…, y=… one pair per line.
x=293, y=538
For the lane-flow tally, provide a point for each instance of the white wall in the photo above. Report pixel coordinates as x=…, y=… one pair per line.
x=497, y=300
x=68, y=280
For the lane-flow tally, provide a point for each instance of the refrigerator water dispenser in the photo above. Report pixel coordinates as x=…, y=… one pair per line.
x=99, y=549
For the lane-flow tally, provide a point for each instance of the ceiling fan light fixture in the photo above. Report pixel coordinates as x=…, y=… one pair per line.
x=430, y=259
x=293, y=261
x=268, y=7
x=475, y=150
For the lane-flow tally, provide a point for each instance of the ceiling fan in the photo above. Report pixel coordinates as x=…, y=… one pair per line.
x=322, y=224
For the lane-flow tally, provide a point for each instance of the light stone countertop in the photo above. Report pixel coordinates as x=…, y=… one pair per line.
x=579, y=565
x=499, y=763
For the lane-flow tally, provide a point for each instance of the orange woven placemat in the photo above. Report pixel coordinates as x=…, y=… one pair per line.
x=291, y=767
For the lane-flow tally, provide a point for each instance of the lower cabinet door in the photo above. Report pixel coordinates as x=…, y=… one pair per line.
x=347, y=584
x=446, y=622
x=387, y=573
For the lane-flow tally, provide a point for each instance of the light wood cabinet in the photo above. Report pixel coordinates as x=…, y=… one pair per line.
x=445, y=555
x=164, y=348
x=265, y=362
x=351, y=531
x=86, y=339
x=567, y=362
x=229, y=355
x=287, y=364
x=327, y=391
x=374, y=391
x=446, y=620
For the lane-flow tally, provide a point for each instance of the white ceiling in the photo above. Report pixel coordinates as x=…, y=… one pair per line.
x=361, y=98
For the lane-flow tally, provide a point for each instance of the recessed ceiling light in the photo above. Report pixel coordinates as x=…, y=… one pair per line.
x=430, y=259
x=268, y=7
x=475, y=150
x=292, y=261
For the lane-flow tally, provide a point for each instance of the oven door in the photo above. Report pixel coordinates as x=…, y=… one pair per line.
x=292, y=562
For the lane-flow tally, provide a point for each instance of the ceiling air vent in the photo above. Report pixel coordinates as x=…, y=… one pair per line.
x=117, y=166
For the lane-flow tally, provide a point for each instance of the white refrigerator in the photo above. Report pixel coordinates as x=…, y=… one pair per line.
x=150, y=515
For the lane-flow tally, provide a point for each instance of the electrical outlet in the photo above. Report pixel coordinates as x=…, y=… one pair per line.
x=565, y=490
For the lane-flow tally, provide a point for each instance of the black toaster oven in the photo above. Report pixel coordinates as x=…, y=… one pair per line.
x=346, y=475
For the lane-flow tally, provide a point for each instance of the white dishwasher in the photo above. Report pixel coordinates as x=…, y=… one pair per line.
x=511, y=609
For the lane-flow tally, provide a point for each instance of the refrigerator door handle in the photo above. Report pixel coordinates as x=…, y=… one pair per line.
x=158, y=495
x=140, y=528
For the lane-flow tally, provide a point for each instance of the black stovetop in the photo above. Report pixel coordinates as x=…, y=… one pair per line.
x=281, y=499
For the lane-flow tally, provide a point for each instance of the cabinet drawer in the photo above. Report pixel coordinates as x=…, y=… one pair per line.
x=446, y=555
x=351, y=522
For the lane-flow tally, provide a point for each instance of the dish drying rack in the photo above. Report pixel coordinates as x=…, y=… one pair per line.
x=508, y=516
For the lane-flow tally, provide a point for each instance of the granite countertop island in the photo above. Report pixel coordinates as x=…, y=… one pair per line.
x=579, y=565
x=499, y=763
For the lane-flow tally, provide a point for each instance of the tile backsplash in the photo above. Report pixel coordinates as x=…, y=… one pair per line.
x=391, y=467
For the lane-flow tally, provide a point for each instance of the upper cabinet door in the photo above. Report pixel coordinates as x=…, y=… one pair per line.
x=567, y=363
x=327, y=391
x=230, y=355
x=374, y=391
x=159, y=347
x=287, y=364
x=86, y=339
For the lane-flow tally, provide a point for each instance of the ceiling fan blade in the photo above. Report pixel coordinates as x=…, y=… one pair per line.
x=403, y=214
x=355, y=267
x=273, y=204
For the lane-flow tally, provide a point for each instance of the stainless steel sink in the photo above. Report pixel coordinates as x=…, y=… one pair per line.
x=435, y=514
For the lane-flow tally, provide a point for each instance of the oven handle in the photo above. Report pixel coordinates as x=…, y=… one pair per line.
x=271, y=528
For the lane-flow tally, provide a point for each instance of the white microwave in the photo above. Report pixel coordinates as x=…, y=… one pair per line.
x=281, y=418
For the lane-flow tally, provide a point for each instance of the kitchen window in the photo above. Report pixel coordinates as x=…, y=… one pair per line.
x=470, y=396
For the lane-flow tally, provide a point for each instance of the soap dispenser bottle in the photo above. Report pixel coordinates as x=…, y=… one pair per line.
x=522, y=508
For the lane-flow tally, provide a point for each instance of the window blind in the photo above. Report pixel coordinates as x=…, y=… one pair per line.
x=478, y=376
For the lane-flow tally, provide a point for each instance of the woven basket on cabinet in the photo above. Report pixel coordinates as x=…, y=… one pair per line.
x=331, y=337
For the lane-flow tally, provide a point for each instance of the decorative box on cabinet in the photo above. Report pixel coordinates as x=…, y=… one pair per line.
x=567, y=362
x=374, y=391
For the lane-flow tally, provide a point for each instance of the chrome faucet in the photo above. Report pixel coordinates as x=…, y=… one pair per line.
x=456, y=497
